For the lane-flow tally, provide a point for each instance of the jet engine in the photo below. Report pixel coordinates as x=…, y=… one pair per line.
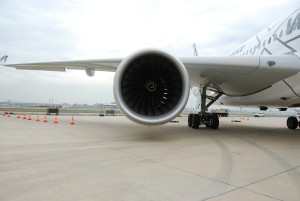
x=151, y=87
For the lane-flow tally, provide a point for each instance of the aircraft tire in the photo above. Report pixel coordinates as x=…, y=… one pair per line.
x=190, y=120
x=292, y=123
x=214, y=122
x=195, y=121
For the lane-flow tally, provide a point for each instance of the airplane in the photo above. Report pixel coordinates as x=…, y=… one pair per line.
x=151, y=86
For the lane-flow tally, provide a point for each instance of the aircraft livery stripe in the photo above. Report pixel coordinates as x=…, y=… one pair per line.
x=295, y=38
x=265, y=49
x=286, y=45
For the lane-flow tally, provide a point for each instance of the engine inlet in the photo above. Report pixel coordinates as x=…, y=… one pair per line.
x=151, y=87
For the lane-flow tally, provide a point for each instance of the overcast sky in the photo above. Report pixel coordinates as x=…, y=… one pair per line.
x=60, y=30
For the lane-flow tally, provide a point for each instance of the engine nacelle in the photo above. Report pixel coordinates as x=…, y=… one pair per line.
x=151, y=87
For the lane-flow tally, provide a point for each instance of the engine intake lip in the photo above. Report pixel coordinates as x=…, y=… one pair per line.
x=151, y=87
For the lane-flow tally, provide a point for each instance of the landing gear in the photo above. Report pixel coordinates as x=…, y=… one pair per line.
x=204, y=118
x=194, y=121
x=292, y=123
x=214, y=122
x=210, y=121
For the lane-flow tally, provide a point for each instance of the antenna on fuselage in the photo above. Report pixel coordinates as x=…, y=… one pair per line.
x=195, y=50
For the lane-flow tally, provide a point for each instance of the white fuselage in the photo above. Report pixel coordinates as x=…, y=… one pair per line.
x=281, y=38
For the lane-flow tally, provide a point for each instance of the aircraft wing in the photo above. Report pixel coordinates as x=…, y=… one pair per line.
x=234, y=75
x=109, y=65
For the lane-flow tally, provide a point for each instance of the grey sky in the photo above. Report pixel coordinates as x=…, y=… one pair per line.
x=58, y=30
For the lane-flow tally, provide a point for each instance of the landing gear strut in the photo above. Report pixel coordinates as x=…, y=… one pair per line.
x=204, y=118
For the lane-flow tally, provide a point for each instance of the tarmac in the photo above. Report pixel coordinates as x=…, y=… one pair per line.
x=111, y=158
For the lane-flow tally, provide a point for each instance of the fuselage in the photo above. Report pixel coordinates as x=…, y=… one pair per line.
x=283, y=37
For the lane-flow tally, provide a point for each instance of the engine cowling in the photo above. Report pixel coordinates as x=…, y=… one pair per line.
x=151, y=87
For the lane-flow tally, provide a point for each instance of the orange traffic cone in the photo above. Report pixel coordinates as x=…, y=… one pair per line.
x=24, y=117
x=18, y=115
x=45, y=119
x=37, y=118
x=72, y=121
x=8, y=114
x=29, y=117
x=55, y=120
